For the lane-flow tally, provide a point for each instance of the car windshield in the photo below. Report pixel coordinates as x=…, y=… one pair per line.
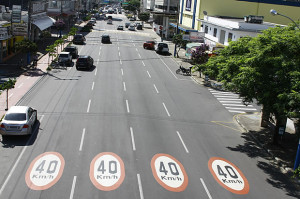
x=15, y=117
x=77, y=36
x=82, y=60
x=163, y=45
x=69, y=49
x=63, y=55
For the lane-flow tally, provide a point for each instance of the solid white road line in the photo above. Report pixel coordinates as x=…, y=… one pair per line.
x=96, y=71
x=207, y=192
x=229, y=101
x=168, y=67
x=156, y=89
x=132, y=139
x=124, y=86
x=127, y=106
x=88, y=108
x=187, y=151
x=222, y=98
x=12, y=170
x=149, y=74
x=82, y=138
x=143, y=63
x=228, y=96
x=93, y=85
x=232, y=111
x=242, y=109
x=166, y=109
x=73, y=187
x=242, y=105
x=122, y=72
x=20, y=85
x=140, y=186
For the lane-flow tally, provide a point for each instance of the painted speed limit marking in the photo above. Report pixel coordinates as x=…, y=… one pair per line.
x=44, y=171
x=228, y=175
x=169, y=172
x=107, y=171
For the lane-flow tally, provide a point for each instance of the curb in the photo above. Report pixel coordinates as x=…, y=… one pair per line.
x=282, y=166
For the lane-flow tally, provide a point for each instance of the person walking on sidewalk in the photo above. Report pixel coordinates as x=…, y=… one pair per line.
x=35, y=60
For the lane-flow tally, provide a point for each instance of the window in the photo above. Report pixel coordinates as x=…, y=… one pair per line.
x=215, y=32
x=206, y=29
x=229, y=37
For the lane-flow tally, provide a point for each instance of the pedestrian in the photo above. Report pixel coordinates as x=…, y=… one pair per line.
x=35, y=60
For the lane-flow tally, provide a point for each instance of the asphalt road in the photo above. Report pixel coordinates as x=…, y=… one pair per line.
x=132, y=128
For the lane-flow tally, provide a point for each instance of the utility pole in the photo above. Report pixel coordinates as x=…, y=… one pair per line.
x=177, y=29
x=29, y=19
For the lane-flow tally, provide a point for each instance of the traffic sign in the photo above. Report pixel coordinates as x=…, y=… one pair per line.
x=228, y=175
x=107, y=171
x=169, y=172
x=44, y=171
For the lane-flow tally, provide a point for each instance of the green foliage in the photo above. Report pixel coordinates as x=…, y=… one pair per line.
x=86, y=18
x=26, y=46
x=8, y=85
x=73, y=31
x=265, y=68
x=86, y=29
x=133, y=5
x=144, y=16
x=297, y=173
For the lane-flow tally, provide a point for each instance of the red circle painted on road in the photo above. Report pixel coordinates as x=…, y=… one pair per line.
x=169, y=172
x=107, y=171
x=44, y=171
x=228, y=175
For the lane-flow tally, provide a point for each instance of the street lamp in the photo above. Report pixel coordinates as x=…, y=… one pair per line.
x=297, y=161
x=274, y=12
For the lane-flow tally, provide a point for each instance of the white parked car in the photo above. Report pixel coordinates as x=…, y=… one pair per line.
x=131, y=27
x=65, y=58
x=19, y=120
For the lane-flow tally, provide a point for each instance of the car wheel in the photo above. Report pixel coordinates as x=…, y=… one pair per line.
x=77, y=68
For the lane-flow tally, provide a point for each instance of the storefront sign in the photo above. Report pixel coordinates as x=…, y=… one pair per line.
x=20, y=29
x=16, y=14
x=3, y=33
x=197, y=37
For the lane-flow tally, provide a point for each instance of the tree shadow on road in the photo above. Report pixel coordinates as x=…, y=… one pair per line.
x=271, y=167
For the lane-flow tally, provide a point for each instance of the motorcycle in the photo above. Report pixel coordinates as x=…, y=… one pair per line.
x=183, y=71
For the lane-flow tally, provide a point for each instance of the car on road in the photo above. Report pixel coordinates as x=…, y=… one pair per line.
x=162, y=48
x=105, y=39
x=127, y=25
x=120, y=27
x=139, y=27
x=84, y=62
x=73, y=50
x=19, y=120
x=149, y=45
x=65, y=58
x=78, y=39
x=109, y=21
x=131, y=27
x=132, y=19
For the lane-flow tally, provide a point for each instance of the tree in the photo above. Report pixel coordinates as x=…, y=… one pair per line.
x=265, y=68
x=133, y=5
x=27, y=46
x=144, y=16
x=200, y=55
x=6, y=86
x=179, y=42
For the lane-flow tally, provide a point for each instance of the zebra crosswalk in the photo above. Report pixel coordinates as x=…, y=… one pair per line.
x=232, y=102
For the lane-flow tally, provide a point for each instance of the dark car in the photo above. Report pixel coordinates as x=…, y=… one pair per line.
x=79, y=39
x=127, y=25
x=105, y=39
x=73, y=51
x=84, y=62
x=139, y=27
x=120, y=27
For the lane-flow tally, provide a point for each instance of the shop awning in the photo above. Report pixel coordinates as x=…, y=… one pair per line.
x=44, y=22
x=183, y=28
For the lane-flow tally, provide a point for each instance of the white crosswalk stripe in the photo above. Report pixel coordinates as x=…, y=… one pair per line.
x=232, y=102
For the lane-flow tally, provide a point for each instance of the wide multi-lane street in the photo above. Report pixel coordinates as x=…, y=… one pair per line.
x=131, y=128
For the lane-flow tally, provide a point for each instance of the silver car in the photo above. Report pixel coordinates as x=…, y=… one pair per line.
x=18, y=120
